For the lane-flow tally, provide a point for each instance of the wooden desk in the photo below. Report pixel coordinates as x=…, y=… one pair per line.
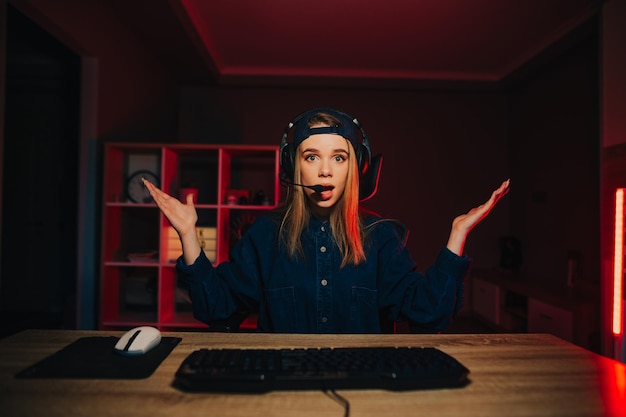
x=512, y=375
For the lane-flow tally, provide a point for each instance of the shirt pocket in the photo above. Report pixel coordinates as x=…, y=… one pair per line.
x=364, y=310
x=280, y=304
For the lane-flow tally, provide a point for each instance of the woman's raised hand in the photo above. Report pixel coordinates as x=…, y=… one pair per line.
x=463, y=224
x=182, y=217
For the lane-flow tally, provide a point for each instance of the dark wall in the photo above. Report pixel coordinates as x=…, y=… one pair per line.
x=555, y=158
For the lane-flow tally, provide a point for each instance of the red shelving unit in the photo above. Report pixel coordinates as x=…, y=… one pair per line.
x=138, y=282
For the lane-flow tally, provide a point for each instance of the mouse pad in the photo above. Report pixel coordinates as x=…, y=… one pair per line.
x=94, y=357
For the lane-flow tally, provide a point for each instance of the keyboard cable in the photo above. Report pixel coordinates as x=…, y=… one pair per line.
x=341, y=400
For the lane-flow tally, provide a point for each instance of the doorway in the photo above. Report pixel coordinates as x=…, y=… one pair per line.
x=39, y=213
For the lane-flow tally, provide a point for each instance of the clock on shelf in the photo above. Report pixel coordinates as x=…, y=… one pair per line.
x=136, y=191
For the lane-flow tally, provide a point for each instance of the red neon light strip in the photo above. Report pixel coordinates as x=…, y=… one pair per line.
x=618, y=264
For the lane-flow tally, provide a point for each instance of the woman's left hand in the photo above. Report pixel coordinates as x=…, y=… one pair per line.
x=463, y=224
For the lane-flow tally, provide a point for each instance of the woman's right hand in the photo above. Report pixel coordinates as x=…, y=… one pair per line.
x=182, y=217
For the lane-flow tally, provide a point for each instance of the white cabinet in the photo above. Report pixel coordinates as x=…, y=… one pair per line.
x=509, y=303
x=486, y=300
x=546, y=318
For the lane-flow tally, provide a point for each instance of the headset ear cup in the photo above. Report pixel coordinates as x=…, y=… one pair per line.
x=287, y=163
x=362, y=155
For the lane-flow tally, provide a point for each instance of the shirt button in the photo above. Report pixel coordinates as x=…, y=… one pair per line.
x=323, y=249
x=323, y=229
x=324, y=319
x=324, y=282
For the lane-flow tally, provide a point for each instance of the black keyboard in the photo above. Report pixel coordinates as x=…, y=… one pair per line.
x=262, y=370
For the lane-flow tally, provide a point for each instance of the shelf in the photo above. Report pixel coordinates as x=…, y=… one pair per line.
x=146, y=291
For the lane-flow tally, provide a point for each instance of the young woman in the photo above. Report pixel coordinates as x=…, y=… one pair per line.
x=319, y=265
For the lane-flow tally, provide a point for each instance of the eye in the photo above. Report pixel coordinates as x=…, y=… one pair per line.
x=340, y=158
x=310, y=157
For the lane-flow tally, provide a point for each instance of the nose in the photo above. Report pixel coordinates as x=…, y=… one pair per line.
x=325, y=170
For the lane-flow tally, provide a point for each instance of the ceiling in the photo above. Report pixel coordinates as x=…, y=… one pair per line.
x=329, y=41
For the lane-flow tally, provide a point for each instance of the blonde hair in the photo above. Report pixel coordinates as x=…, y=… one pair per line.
x=345, y=221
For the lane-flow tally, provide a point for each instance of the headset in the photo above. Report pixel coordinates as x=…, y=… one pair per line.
x=350, y=128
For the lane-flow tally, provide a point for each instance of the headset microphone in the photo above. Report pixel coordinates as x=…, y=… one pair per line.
x=318, y=188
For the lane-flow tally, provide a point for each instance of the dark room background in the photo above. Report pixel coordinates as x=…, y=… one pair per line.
x=445, y=149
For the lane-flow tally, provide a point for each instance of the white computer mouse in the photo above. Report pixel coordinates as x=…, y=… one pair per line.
x=138, y=341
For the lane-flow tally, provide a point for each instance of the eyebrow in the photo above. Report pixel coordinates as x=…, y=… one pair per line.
x=337, y=150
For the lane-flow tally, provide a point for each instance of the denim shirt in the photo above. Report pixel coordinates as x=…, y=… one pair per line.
x=312, y=294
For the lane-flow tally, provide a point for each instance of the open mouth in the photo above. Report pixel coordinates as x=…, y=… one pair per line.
x=327, y=193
